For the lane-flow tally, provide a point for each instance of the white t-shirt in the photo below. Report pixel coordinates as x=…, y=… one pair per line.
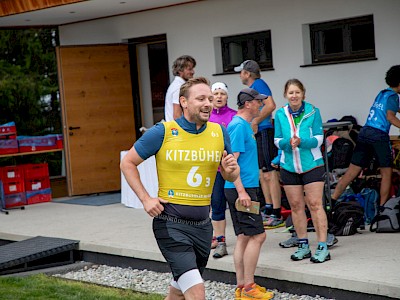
x=172, y=97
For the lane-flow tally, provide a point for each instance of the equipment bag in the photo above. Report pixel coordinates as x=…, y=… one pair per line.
x=389, y=219
x=347, y=217
x=371, y=198
x=340, y=156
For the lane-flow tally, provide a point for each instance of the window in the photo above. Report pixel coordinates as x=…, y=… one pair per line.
x=343, y=40
x=255, y=46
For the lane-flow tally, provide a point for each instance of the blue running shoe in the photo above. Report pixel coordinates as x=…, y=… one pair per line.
x=303, y=251
x=321, y=254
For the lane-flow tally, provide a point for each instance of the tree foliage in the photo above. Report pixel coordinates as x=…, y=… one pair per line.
x=28, y=80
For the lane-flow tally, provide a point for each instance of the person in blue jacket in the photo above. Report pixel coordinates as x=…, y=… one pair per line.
x=374, y=140
x=299, y=134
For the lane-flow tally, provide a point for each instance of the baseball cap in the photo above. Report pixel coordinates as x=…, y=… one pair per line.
x=249, y=94
x=219, y=86
x=248, y=65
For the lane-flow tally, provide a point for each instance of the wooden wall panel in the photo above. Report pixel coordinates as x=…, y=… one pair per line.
x=12, y=7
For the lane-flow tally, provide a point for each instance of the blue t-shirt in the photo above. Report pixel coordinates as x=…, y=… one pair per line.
x=150, y=142
x=386, y=100
x=244, y=142
x=262, y=87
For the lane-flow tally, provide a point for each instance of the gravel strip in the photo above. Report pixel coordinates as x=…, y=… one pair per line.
x=154, y=282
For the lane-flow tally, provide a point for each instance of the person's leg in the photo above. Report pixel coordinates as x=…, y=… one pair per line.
x=295, y=196
x=386, y=182
x=218, y=209
x=345, y=180
x=238, y=255
x=174, y=294
x=313, y=200
x=266, y=199
x=251, y=255
x=271, y=174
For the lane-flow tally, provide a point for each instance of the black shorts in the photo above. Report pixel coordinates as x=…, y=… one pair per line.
x=266, y=149
x=314, y=175
x=244, y=223
x=372, y=143
x=185, y=247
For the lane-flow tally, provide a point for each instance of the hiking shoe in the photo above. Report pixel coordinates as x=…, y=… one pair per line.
x=274, y=222
x=331, y=240
x=303, y=251
x=214, y=242
x=321, y=255
x=255, y=293
x=238, y=294
x=220, y=251
x=293, y=241
x=265, y=217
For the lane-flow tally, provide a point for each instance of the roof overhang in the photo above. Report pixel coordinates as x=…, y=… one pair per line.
x=22, y=13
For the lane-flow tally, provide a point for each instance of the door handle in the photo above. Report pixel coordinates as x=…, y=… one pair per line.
x=72, y=128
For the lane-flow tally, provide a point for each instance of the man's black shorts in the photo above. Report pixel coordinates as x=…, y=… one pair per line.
x=184, y=247
x=243, y=222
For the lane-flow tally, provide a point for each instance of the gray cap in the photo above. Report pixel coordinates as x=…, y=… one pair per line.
x=248, y=65
x=249, y=94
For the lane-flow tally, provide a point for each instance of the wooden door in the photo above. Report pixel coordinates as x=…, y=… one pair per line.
x=97, y=112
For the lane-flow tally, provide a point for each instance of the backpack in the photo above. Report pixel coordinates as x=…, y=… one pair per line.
x=370, y=203
x=389, y=219
x=340, y=156
x=347, y=217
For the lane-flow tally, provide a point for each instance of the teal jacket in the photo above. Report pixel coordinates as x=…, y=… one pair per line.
x=308, y=154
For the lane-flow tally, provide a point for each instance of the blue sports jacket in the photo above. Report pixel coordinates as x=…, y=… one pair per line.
x=308, y=154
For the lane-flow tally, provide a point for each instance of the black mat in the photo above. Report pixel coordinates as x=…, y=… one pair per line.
x=93, y=200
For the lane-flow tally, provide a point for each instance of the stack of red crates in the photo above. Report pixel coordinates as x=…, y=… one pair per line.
x=37, y=183
x=25, y=184
x=12, y=178
x=8, y=139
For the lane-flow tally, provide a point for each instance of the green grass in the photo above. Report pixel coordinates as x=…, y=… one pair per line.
x=46, y=287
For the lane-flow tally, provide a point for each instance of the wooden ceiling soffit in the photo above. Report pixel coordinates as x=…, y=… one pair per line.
x=12, y=7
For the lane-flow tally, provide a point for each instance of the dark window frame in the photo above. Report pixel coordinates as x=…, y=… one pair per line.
x=248, y=45
x=349, y=33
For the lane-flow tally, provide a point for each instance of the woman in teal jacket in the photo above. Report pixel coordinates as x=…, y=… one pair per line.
x=299, y=134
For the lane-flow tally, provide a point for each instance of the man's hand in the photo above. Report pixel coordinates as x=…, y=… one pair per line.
x=229, y=162
x=244, y=198
x=229, y=167
x=153, y=206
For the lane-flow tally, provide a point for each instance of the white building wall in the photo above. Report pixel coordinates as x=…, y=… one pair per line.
x=338, y=89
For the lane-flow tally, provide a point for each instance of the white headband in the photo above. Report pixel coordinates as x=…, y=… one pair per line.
x=219, y=85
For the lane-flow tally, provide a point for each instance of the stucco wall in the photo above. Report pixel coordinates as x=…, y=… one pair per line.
x=338, y=90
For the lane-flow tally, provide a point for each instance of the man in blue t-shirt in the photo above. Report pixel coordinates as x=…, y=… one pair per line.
x=248, y=227
x=267, y=151
x=374, y=140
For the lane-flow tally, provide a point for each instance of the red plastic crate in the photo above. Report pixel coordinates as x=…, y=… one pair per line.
x=13, y=186
x=8, y=146
x=41, y=196
x=36, y=184
x=14, y=200
x=8, y=137
x=32, y=171
x=36, y=143
x=8, y=128
x=59, y=141
x=11, y=172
